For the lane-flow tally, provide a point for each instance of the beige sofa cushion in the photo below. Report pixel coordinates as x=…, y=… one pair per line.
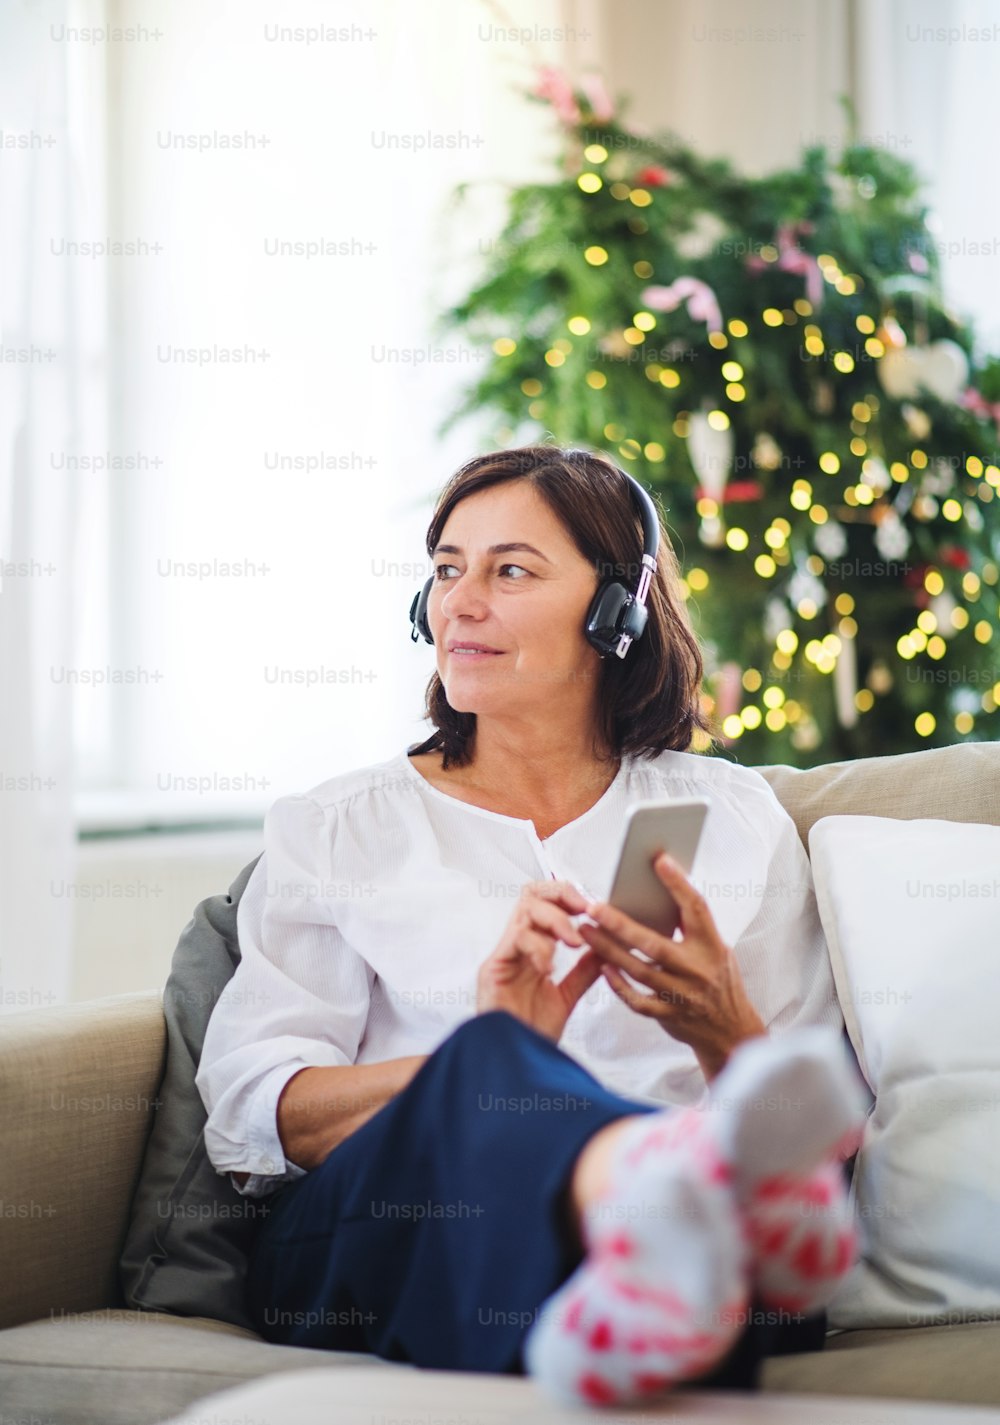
x=949, y=783
x=960, y=1363
x=76, y=1094
x=136, y=1368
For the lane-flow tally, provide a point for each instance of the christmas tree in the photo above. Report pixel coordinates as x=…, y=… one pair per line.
x=773, y=356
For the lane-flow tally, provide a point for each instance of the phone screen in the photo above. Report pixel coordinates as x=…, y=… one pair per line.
x=673, y=826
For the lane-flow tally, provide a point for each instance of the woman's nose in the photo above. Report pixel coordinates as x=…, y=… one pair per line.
x=464, y=595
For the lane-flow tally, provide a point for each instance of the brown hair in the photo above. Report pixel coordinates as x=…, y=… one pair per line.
x=649, y=702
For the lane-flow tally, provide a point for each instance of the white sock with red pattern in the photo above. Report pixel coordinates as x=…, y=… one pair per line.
x=675, y=1245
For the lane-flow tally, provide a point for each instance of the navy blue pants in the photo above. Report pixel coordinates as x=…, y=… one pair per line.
x=435, y=1232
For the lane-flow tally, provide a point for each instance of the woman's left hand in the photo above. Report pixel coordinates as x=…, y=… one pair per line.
x=698, y=992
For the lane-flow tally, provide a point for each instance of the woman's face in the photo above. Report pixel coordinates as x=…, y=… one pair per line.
x=525, y=603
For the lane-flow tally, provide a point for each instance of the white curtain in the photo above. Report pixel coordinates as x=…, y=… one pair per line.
x=46, y=341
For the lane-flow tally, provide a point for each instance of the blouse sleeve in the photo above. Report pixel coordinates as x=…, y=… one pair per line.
x=782, y=949
x=299, y=997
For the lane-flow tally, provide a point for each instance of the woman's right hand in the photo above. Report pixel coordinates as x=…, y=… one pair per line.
x=517, y=976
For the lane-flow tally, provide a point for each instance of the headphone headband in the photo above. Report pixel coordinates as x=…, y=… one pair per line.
x=616, y=617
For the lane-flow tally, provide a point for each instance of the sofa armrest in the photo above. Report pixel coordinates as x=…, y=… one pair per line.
x=77, y=1093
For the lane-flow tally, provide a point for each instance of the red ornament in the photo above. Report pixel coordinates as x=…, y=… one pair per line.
x=653, y=177
x=954, y=557
x=736, y=490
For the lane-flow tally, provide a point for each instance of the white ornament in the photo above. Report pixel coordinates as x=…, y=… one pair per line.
x=941, y=368
x=830, y=539
x=892, y=539
x=939, y=479
x=706, y=233
x=875, y=474
x=711, y=454
x=942, y=606
x=804, y=585
x=777, y=616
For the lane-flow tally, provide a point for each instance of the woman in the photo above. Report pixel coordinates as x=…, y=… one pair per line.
x=443, y=1050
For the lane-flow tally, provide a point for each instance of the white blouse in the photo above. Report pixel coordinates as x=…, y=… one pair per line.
x=378, y=896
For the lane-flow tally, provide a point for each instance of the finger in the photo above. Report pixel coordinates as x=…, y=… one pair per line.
x=613, y=952
x=630, y=932
x=584, y=973
x=642, y=1004
x=546, y=915
x=562, y=892
x=693, y=906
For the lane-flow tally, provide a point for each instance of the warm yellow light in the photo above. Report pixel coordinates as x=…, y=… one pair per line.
x=772, y=317
x=775, y=538
x=918, y=640
x=645, y=321
x=732, y=371
x=719, y=340
x=503, y=346
x=829, y=463
x=590, y=182
x=974, y=466
x=861, y=411
x=669, y=378
x=579, y=326
x=925, y=723
x=874, y=347
x=752, y=679
x=718, y=420
x=864, y=700
x=531, y=387
x=737, y=538
x=732, y=726
x=848, y=627
x=751, y=717
x=904, y=647
x=859, y=447
x=775, y=719
x=959, y=617
x=595, y=153
x=982, y=632
x=596, y=380
x=640, y=197
x=706, y=508
x=926, y=621
x=971, y=585
x=899, y=472
x=765, y=566
x=844, y=604
x=918, y=459
x=633, y=336
x=818, y=514
x=936, y=646
x=781, y=661
x=807, y=609
x=641, y=268
x=814, y=345
x=596, y=256
x=787, y=640
x=952, y=510
x=653, y=450
x=555, y=358
x=697, y=579
x=735, y=391
x=864, y=324
x=933, y=582
x=773, y=697
x=737, y=327
x=964, y=722
x=843, y=361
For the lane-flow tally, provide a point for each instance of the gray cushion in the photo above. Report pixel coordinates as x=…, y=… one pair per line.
x=185, y=1250
x=127, y=1368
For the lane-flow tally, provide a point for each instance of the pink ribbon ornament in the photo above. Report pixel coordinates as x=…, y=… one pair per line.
x=791, y=258
x=701, y=302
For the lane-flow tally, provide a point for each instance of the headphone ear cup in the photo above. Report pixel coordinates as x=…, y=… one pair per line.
x=418, y=611
x=602, y=625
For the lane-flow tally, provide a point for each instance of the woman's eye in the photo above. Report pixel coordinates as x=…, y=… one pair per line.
x=439, y=573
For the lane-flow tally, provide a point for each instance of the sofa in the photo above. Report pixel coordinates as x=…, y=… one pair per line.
x=79, y=1085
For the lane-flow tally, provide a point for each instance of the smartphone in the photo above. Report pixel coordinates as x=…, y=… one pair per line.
x=673, y=826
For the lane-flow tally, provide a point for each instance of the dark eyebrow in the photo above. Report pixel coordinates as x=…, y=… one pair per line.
x=514, y=548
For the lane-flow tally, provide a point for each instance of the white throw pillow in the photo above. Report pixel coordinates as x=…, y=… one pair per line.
x=911, y=911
